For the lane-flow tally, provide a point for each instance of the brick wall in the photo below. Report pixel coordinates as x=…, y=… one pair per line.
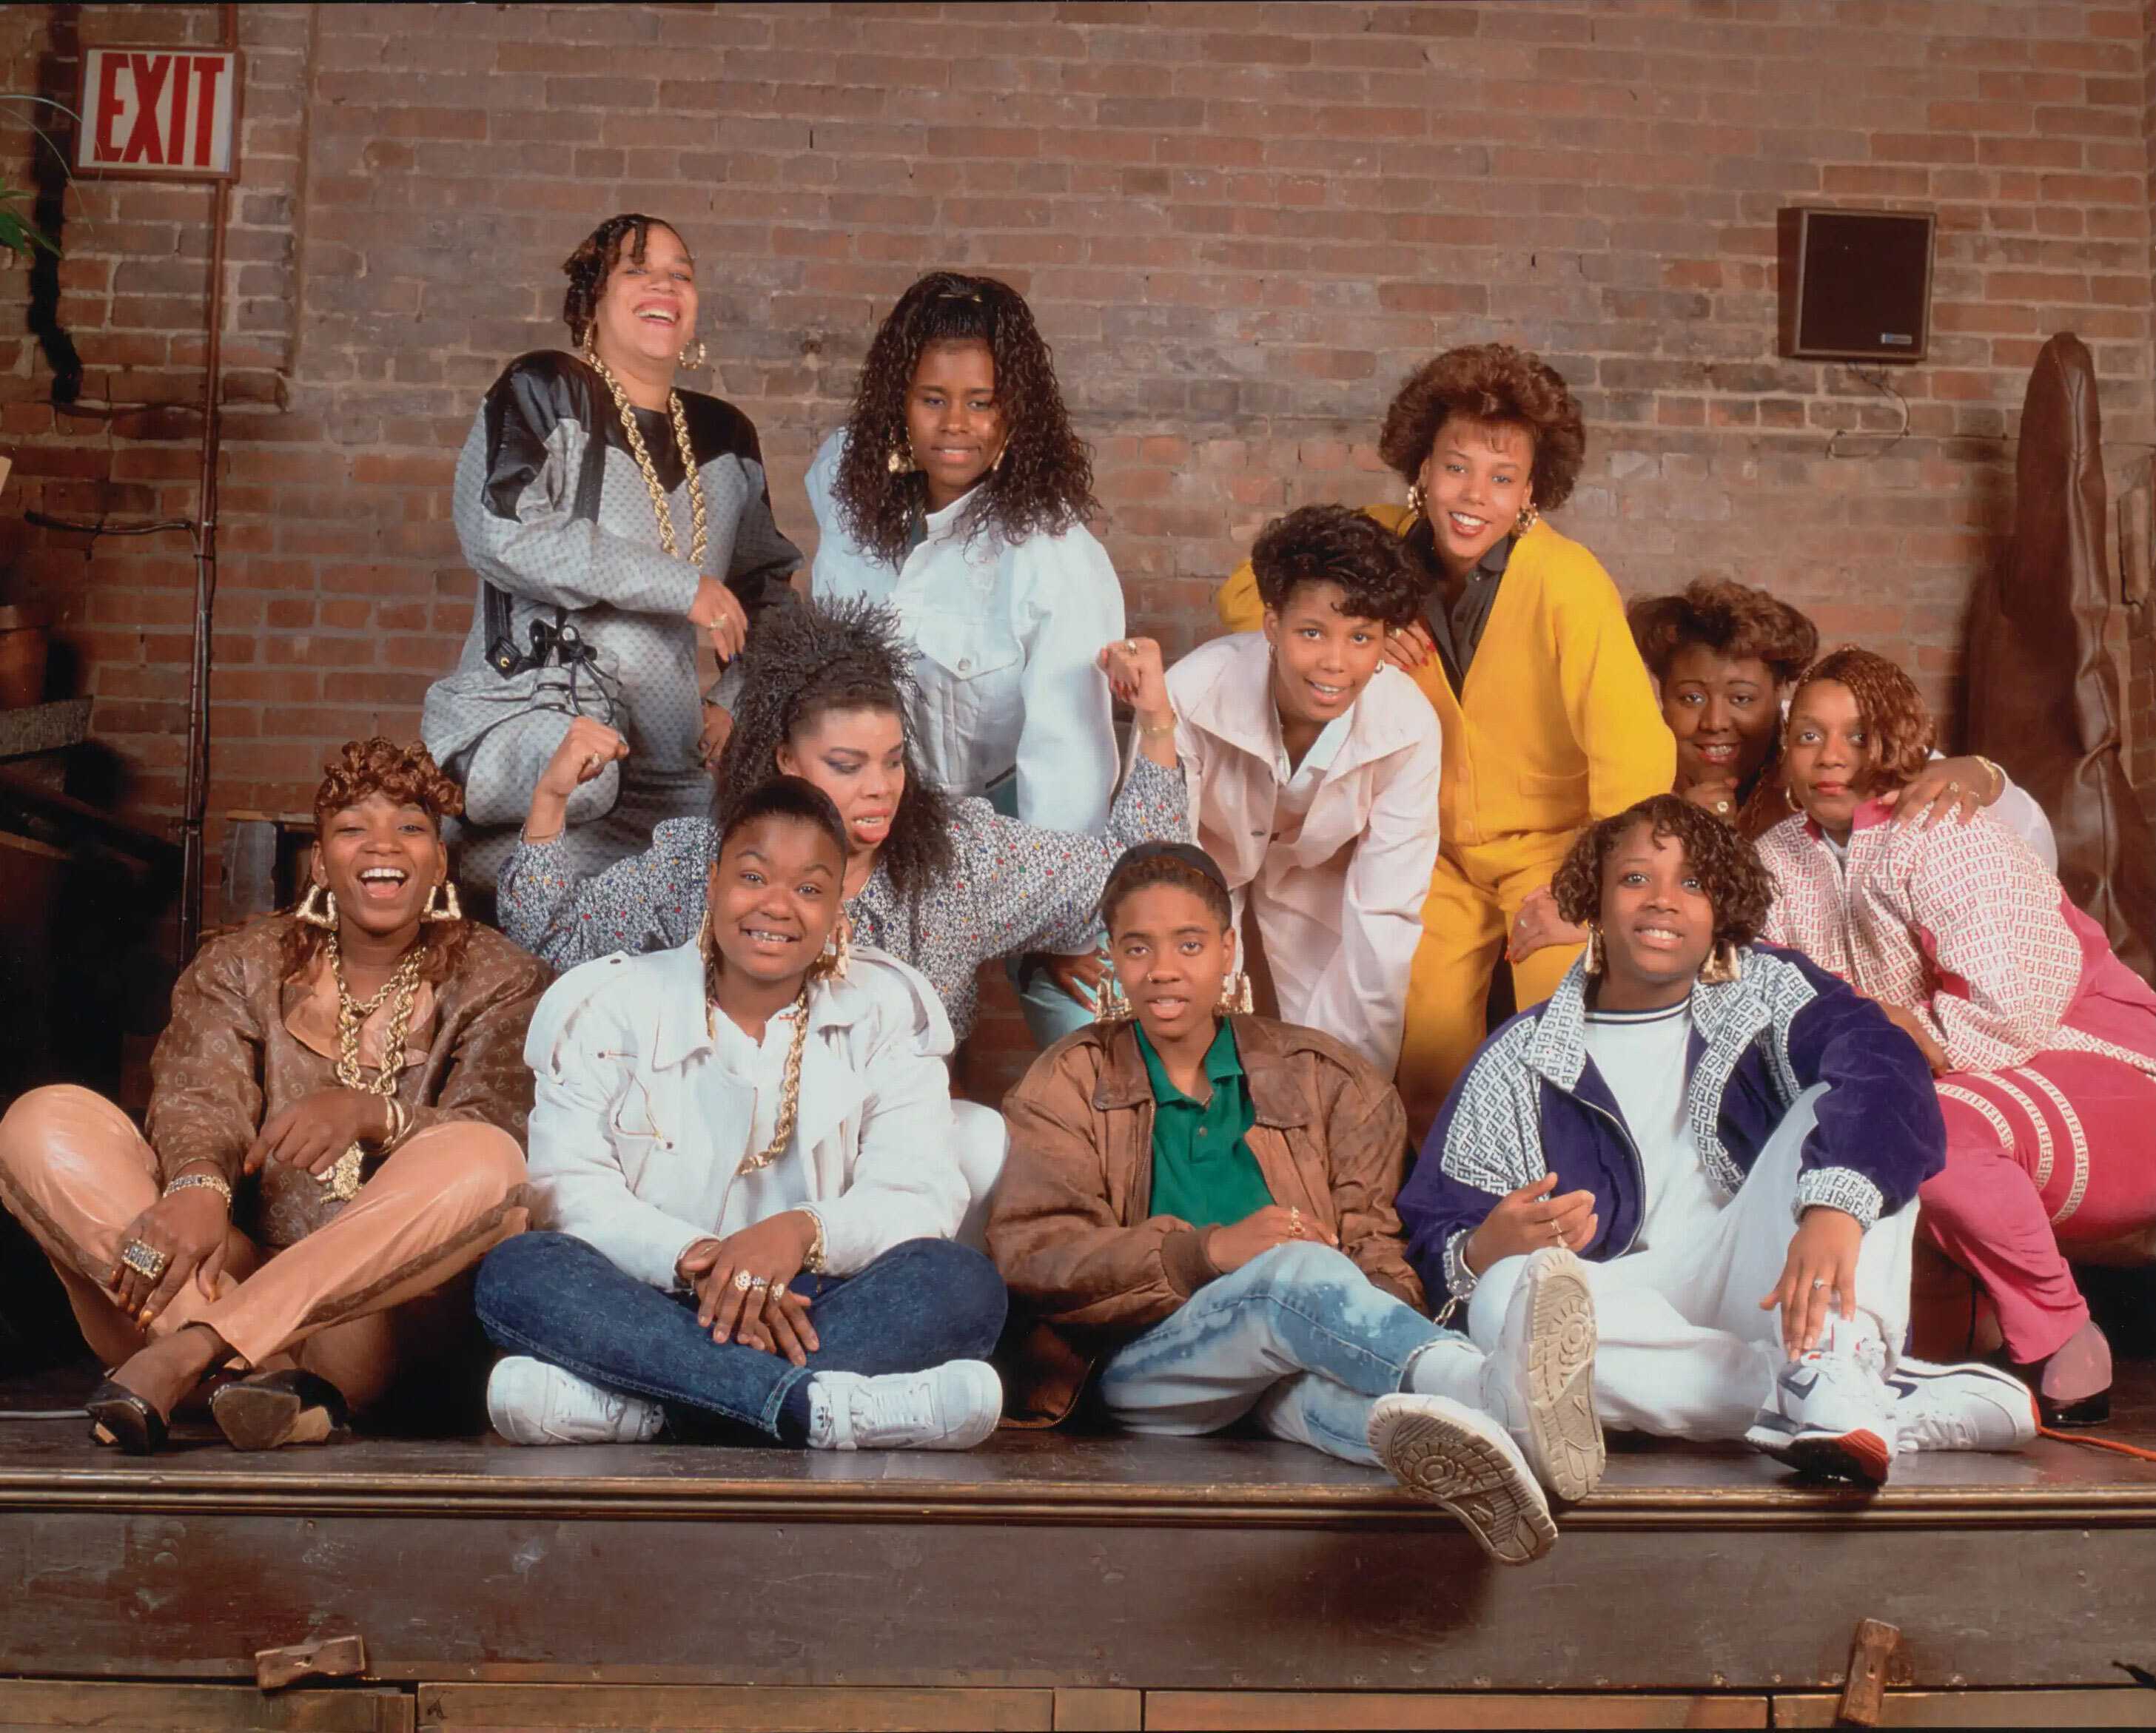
x=1239, y=225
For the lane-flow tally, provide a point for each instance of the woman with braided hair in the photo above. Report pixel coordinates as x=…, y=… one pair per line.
x=746, y=1178
x=332, y=1142
x=615, y=523
x=957, y=493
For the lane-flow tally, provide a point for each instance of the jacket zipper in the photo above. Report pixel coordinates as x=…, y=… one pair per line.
x=1638, y=1167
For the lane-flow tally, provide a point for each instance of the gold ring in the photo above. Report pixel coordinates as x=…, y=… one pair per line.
x=1722, y=807
x=144, y=1259
x=743, y=1281
x=1953, y=787
x=1295, y=1222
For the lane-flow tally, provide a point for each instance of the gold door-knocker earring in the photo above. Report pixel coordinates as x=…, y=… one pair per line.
x=320, y=908
x=1417, y=498
x=1528, y=518
x=1109, y=1005
x=695, y=359
x=1723, y=966
x=1594, y=961
x=900, y=460
x=442, y=904
x=1235, y=995
x=838, y=951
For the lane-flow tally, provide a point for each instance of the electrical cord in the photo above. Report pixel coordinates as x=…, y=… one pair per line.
x=1879, y=383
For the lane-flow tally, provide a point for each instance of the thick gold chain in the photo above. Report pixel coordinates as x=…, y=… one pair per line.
x=401, y=991
x=789, y=1089
x=700, y=524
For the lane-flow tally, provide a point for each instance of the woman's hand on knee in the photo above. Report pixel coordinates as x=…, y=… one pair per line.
x=1818, y=1277
x=1529, y=1219
x=736, y=1277
x=187, y=1229
x=1231, y=1246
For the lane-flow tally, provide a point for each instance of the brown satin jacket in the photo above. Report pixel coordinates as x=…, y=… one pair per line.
x=1089, y=1267
x=243, y=1045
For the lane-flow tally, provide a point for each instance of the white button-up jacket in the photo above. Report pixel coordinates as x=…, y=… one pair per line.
x=637, y=1132
x=1007, y=640
x=1339, y=905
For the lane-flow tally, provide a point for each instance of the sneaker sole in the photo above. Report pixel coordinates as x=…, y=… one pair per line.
x=1445, y=1463
x=1862, y=1456
x=1566, y=1446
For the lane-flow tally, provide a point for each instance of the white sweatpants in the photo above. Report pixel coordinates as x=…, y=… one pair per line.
x=1686, y=1351
x=983, y=1140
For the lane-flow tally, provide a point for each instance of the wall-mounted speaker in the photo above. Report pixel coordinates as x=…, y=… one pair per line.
x=1856, y=285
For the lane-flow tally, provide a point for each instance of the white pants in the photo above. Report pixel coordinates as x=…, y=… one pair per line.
x=1685, y=1349
x=983, y=1140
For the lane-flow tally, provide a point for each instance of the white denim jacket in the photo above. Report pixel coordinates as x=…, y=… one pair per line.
x=1339, y=905
x=637, y=1132
x=1007, y=640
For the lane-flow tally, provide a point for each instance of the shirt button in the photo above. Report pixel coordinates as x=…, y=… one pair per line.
x=965, y=664
x=1259, y=832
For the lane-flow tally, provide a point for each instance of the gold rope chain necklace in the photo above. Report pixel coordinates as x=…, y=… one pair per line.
x=789, y=1088
x=401, y=990
x=700, y=526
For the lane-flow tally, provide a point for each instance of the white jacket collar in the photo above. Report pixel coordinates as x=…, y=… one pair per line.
x=683, y=1023
x=1238, y=708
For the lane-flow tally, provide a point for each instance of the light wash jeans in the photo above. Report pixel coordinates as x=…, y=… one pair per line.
x=1299, y=1337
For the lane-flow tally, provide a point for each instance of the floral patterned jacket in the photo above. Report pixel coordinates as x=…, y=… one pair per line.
x=243, y=1045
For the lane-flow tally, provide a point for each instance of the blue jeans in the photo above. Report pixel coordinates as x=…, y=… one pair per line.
x=1298, y=1338
x=561, y=1300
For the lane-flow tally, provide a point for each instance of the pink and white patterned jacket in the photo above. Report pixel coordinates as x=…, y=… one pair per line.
x=1962, y=924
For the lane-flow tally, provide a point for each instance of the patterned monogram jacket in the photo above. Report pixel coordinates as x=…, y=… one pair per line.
x=1533, y=1103
x=244, y=1045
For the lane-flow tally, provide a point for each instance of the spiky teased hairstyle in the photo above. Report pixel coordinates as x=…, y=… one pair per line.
x=1044, y=480
x=409, y=777
x=804, y=662
x=1737, y=886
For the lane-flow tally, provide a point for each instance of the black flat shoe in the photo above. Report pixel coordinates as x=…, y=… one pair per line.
x=2082, y=1411
x=272, y=1409
x=121, y=1419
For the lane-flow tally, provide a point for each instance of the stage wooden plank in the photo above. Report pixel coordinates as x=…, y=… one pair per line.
x=28, y=1704
x=602, y=1708
x=2125, y=1706
x=1093, y=1710
x=1385, y=1712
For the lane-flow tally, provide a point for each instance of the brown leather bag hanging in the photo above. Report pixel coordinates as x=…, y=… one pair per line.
x=2043, y=691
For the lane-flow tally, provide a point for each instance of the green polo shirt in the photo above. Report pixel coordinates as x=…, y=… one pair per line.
x=1202, y=1170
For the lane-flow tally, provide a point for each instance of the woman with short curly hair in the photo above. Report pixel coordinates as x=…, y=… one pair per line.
x=617, y=524
x=1520, y=645
x=957, y=493
x=1731, y=1141
x=1313, y=771
x=2043, y=1042
x=334, y=1139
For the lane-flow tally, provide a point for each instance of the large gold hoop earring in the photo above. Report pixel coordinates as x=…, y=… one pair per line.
x=442, y=904
x=1418, y=500
x=697, y=360
x=1529, y=516
x=1235, y=996
x=838, y=951
x=319, y=909
x=1724, y=967
x=1109, y=1005
x=1595, y=961
x=900, y=462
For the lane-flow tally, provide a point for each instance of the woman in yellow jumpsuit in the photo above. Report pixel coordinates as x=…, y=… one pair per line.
x=1549, y=718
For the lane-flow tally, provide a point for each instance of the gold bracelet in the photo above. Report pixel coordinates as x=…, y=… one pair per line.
x=1998, y=787
x=400, y=1122
x=215, y=1182
x=812, y=1261
x=1147, y=730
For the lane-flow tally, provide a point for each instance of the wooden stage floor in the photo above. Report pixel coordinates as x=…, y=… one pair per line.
x=1054, y=1563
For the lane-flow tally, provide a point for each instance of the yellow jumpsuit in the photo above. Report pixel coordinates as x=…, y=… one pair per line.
x=1557, y=726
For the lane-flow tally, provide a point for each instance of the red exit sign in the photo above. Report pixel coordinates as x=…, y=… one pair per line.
x=159, y=112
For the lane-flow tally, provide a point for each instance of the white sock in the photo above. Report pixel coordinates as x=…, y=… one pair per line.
x=1448, y=1366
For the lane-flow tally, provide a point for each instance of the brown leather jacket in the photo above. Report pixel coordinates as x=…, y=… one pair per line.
x=1071, y=1228
x=244, y=1045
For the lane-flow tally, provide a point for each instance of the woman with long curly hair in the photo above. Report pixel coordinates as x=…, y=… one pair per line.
x=2044, y=1043
x=616, y=523
x=333, y=1139
x=1548, y=719
x=1732, y=1141
x=1725, y=658
x=941, y=883
x=957, y=493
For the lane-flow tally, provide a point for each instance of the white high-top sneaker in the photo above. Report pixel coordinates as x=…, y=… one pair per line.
x=1960, y=1407
x=951, y=1406
x=1539, y=1378
x=1451, y=1454
x=531, y=1403
x=1829, y=1411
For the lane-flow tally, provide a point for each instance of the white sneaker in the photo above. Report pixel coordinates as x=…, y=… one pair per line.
x=1960, y=1407
x=531, y=1403
x=1445, y=1451
x=1829, y=1411
x=1539, y=1378
x=951, y=1406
